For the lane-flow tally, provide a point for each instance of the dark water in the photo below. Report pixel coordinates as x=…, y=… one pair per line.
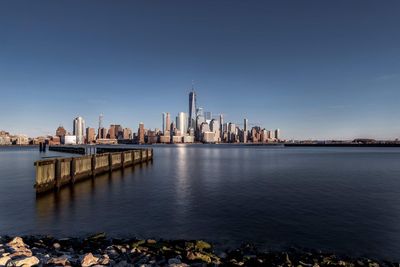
x=341, y=199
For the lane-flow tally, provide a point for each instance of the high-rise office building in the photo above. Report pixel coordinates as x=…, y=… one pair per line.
x=164, y=122
x=61, y=132
x=277, y=134
x=127, y=134
x=141, y=133
x=245, y=130
x=79, y=130
x=168, y=122
x=221, y=125
x=102, y=133
x=90, y=135
x=181, y=123
x=192, y=109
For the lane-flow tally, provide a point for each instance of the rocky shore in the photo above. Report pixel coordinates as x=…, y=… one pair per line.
x=98, y=250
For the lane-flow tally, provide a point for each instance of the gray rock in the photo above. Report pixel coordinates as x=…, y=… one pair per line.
x=56, y=246
x=174, y=261
x=62, y=260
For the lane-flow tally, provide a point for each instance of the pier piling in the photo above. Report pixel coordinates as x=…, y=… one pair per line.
x=54, y=173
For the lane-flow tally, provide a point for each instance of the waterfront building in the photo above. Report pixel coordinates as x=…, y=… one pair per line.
x=90, y=135
x=192, y=109
x=21, y=139
x=78, y=129
x=221, y=126
x=168, y=122
x=245, y=130
x=102, y=133
x=152, y=137
x=214, y=127
x=191, y=132
x=181, y=123
x=264, y=136
x=164, y=122
x=107, y=141
x=208, y=137
x=188, y=139
x=127, y=134
x=54, y=140
x=70, y=140
x=277, y=134
x=61, y=132
x=141, y=133
x=111, y=132
x=166, y=138
x=5, y=140
x=177, y=139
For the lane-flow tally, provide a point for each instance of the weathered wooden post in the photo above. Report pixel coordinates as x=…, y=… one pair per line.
x=122, y=159
x=73, y=166
x=58, y=174
x=110, y=162
x=93, y=165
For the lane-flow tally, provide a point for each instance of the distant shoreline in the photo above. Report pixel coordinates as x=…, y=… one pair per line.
x=240, y=144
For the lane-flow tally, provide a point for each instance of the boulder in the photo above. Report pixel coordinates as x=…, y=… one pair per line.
x=4, y=260
x=18, y=248
x=25, y=262
x=174, y=261
x=202, y=245
x=56, y=246
x=62, y=260
x=89, y=260
x=104, y=260
x=16, y=242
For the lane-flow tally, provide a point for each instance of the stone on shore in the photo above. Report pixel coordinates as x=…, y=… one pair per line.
x=202, y=245
x=62, y=260
x=17, y=247
x=25, y=262
x=4, y=260
x=89, y=260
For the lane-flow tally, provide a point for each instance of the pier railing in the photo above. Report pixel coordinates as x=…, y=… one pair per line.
x=52, y=174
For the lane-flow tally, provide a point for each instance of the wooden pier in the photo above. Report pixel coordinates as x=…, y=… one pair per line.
x=52, y=174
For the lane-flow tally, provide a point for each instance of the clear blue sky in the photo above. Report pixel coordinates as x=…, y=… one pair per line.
x=314, y=69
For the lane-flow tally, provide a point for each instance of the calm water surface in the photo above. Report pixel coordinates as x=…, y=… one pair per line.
x=341, y=199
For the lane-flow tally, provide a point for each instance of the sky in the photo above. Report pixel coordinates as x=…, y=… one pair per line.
x=314, y=69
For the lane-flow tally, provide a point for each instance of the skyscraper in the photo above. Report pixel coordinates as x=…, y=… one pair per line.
x=79, y=130
x=245, y=130
x=221, y=125
x=90, y=135
x=192, y=109
x=182, y=123
x=277, y=134
x=141, y=133
x=164, y=122
x=168, y=122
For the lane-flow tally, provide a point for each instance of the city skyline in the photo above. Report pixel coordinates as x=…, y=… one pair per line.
x=281, y=65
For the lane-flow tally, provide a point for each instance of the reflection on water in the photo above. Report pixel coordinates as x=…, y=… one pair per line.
x=342, y=199
x=57, y=207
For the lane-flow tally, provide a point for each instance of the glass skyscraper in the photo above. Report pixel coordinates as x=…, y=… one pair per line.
x=192, y=109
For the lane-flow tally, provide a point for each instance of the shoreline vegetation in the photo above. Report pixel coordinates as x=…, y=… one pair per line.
x=99, y=250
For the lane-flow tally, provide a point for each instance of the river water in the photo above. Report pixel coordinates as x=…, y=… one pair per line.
x=345, y=200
